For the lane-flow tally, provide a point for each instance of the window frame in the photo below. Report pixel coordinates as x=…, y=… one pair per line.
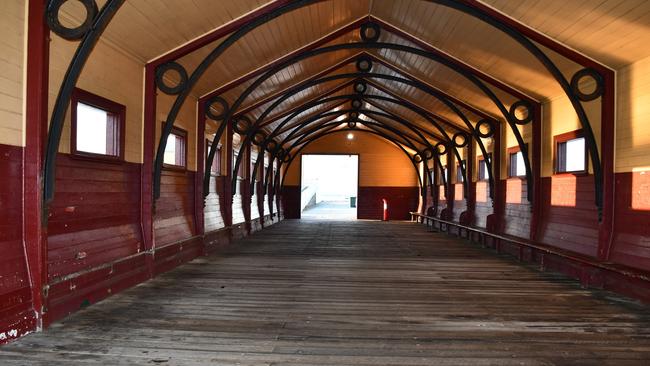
x=182, y=133
x=563, y=138
x=115, y=109
x=512, y=173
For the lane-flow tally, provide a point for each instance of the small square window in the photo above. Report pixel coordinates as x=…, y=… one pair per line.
x=570, y=154
x=517, y=166
x=176, y=149
x=97, y=126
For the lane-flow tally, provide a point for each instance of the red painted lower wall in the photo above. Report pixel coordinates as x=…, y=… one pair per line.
x=291, y=202
x=16, y=311
x=569, y=216
x=401, y=201
x=632, y=220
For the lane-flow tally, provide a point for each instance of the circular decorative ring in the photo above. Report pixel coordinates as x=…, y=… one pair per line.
x=441, y=148
x=356, y=104
x=575, y=84
x=52, y=18
x=352, y=124
x=271, y=145
x=280, y=153
x=364, y=64
x=370, y=32
x=428, y=153
x=360, y=87
x=353, y=115
x=417, y=157
x=241, y=125
x=487, y=124
x=160, y=81
x=259, y=137
x=220, y=104
x=521, y=104
x=464, y=140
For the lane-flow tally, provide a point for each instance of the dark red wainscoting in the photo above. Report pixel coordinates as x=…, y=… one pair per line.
x=569, y=216
x=16, y=314
x=632, y=220
x=212, y=210
x=401, y=201
x=291, y=202
x=92, y=221
x=174, y=215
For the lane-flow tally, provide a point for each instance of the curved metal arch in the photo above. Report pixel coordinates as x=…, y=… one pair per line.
x=400, y=120
x=68, y=84
x=416, y=109
x=274, y=154
x=83, y=52
x=336, y=131
x=487, y=91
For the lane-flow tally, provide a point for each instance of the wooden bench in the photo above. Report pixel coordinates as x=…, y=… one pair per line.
x=536, y=250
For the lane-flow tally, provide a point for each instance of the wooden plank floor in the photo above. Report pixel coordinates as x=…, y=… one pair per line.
x=348, y=293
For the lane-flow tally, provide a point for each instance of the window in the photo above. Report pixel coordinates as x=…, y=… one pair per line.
x=483, y=173
x=97, y=126
x=570, y=153
x=215, y=169
x=459, y=172
x=517, y=167
x=176, y=149
x=443, y=173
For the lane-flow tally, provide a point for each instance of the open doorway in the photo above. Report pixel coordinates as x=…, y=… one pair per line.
x=329, y=186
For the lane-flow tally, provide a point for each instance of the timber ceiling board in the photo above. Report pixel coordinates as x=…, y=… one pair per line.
x=303, y=96
x=401, y=112
x=470, y=40
x=435, y=107
x=287, y=77
x=147, y=29
x=441, y=78
x=615, y=32
x=275, y=39
x=334, y=105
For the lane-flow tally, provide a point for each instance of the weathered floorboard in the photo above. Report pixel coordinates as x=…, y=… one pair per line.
x=348, y=293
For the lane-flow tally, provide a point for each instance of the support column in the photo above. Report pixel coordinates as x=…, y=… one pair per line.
x=36, y=120
x=448, y=212
x=495, y=220
x=199, y=199
x=537, y=171
x=607, y=141
x=147, y=204
x=246, y=194
x=468, y=217
x=227, y=187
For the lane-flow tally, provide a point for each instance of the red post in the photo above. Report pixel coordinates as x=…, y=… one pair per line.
x=199, y=202
x=36, y=117
x=385, y=215
x=146, y=176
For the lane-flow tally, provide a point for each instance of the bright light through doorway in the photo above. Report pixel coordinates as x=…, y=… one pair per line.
x=329, y=185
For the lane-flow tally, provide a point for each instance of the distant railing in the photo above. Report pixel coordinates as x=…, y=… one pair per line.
x=308, y=197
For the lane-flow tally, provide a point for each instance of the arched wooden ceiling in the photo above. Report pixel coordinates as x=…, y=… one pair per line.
x=607, y=31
